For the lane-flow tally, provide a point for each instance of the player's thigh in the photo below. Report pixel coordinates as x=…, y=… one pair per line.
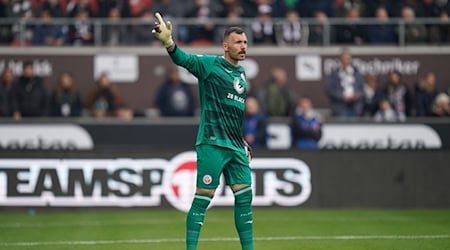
x=210, y=163
x=237, y=170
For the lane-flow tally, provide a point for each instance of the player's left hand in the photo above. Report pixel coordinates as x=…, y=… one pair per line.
x=163, y=31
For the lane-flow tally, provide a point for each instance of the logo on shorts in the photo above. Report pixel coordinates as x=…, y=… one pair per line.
x=207, y=179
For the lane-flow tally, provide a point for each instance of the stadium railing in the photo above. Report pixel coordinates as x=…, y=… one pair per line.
x=21, y=30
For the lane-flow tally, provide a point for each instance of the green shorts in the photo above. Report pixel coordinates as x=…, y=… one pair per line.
x=212, y=161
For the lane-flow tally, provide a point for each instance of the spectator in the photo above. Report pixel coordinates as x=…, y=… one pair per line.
x=231, y=6
x=143, y=29
x=320, y=29
x=372, y=95
x=203, y=32
x=342, y=6
x=441, y=106
x=386, y=113
x=426, y=8
x=263, y=28
x=114, y=33
x=425, y=94
x=55, y=7
x=46, y=33
x=171, y=8
x=381, y=32
x=65, y=100
x=20, y=10
x=7, y=82
x=306, y=125
x=29, y=94
x=398, y=94
x=291, y=31
x=440, y=32
x=233, y=18
x=250, y=7
x=175, y=97
x=276, y=98
x=344, y=87
x=307, y=7
x=105, y=6
x=255, y=123
x=371, y=6
x=137, y=6
x=81, y=32
x=415, y=33
x=6, y=34
x=105, y=100
x=351, y=32
x=73, y=7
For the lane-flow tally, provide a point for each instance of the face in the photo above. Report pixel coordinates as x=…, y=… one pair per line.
x=394, y=77
x=28, y=71
x=235, y=47
x=8, y=75
x=346, y=59
x=430, y=79
x=305, y=104
x=279, y=76
x=66, y=81
x=104, y=82
x=382, y=14
x=251, y=106
x=385, y=105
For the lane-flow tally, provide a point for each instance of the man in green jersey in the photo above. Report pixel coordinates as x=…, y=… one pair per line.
x=220, y=147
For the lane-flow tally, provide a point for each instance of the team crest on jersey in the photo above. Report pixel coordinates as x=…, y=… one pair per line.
x=207, y=179
x=237, y=86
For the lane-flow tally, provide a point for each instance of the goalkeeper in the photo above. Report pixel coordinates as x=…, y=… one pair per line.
x=220, y=147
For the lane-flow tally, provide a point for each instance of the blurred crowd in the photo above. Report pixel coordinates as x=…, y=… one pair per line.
x=27, y=96
x=351, y=95
x=269, y=22
x=390, y=100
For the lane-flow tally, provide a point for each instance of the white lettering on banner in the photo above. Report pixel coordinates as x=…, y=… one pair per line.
x=376, y=66
x=45, y=137
x=42, y=68
x=393, y=136
x=141, y=182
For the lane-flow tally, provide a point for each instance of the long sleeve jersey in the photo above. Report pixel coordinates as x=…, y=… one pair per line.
x=222, y=92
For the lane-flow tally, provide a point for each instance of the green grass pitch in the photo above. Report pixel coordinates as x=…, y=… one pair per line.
x=274, y=229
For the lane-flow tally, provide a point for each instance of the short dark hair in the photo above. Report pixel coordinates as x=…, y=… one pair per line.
x=232, y=29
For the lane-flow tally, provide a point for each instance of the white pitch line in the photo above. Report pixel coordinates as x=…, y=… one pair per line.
x=169, y=240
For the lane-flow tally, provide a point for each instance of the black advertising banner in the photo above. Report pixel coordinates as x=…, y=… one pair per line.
x=87, y=136
x=281, y=178
x=140, y=182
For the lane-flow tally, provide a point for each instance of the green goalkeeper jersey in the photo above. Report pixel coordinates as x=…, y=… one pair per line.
x=222, y=91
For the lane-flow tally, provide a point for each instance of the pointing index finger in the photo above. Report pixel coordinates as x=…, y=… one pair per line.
x=159, y=17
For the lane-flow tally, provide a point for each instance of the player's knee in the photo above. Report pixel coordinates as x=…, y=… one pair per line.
x=205, y=192
x=243, y=197
x=201, y=201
